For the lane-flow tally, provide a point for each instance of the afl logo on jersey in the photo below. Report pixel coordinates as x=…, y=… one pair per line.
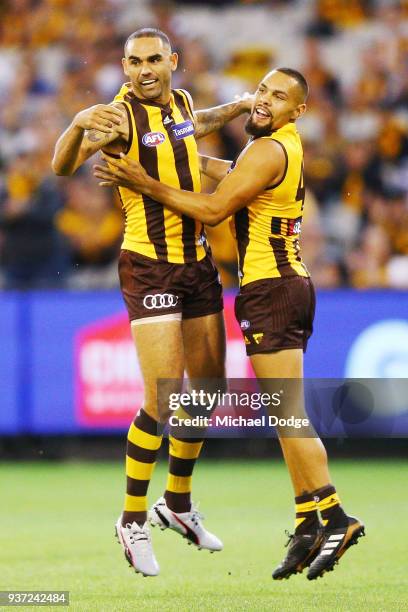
x=153, y=139
x=245, y=324
x=182, y=130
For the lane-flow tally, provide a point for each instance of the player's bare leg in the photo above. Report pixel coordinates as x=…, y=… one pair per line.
x=204, y=350
x=306, y=459
x=205, y=346
x=160, y=350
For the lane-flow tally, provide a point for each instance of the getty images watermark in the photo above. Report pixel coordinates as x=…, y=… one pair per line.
x=347, y=408
x=243, y=403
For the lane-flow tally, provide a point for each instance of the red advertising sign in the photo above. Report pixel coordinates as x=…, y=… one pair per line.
x=108, y=382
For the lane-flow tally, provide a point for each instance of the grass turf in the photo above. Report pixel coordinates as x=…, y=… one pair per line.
x=57, y=522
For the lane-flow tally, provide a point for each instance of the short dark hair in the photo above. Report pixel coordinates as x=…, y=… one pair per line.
x=299, y=78
x=149, y=33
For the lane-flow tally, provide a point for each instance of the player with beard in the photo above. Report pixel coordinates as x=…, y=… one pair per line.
x=168, y=279
x=264, y=190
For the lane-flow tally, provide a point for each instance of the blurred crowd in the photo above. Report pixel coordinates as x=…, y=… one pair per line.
x=60, y=56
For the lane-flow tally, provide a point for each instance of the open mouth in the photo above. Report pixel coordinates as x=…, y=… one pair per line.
x=148, y=82
x=261, y=113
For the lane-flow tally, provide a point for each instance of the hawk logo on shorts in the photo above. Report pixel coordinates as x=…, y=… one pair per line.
x=245, y=324
x=160, y=300
x=153, y=139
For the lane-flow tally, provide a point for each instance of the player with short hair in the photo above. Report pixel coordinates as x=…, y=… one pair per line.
x=168, y=279
x=264, y=190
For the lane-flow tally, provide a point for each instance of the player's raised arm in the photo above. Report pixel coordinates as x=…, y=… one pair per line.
x=91, y=130
x=213, y=167
x=261, y=164
x=212, y=119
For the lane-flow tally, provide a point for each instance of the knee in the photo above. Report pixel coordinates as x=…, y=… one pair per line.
x=158, y=413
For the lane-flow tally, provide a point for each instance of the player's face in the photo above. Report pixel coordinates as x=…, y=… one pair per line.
x=148, y=63
x=277, y=102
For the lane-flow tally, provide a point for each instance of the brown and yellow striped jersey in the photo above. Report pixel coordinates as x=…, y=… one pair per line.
x=161, y=138
x=267, y=230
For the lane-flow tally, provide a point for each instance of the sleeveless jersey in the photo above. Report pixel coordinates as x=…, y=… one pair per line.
x=267, y=230
x=161, y=138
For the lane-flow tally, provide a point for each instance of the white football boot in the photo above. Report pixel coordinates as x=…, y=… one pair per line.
x=188, y=524
x=137, y=546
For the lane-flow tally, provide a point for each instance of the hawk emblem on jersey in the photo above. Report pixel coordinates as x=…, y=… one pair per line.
x=153, y=139
x=182, y=130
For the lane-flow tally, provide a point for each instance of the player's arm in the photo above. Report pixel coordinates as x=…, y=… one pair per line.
x=260, y=165
x=213, y=167
x=91, y=130
x=213, y=119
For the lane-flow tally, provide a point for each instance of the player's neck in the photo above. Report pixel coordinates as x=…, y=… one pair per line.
x=163, y=100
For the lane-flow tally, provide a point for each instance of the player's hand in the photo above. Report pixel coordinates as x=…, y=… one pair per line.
x=121, y=173
x=246, y=101
x=101, y=117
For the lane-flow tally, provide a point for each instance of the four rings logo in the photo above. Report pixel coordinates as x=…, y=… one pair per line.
x=160, y=300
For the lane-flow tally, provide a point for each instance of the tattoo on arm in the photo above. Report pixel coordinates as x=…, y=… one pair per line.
x=213, y=119
x=94, y=135
x=97, y=138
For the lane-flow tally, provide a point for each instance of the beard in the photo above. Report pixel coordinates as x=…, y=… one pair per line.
x=256, y=130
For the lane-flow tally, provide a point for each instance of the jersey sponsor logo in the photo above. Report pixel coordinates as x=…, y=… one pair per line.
x=159, y=301
x=245, y=324
x=182, y=130
x=153, y=139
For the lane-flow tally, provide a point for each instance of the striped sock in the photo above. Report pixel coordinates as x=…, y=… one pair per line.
x=328, y=502
x=143, y=443
x=182, y=457
x=307, y=519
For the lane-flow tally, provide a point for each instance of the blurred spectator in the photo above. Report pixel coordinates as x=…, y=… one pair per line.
x=90, y=224
x=330, y=15
x=60, y=56
x=31, y=253
x=367, y=263
x=323, y=84
x=320, y=260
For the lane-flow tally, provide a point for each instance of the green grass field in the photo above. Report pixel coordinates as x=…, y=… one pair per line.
x=57, y=533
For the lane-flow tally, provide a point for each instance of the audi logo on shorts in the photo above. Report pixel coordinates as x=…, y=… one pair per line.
x=160, y=300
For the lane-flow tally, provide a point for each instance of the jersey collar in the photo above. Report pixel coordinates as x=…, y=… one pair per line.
x=287, y=128
x=165, y=107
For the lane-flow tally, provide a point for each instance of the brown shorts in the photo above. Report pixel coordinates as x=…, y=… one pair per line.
x=276, y=313
x=154, y=288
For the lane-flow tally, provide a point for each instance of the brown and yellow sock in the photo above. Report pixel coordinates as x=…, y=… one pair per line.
x=307, y=518
x=183, y=453
x=328, y=502
x=143, y=443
